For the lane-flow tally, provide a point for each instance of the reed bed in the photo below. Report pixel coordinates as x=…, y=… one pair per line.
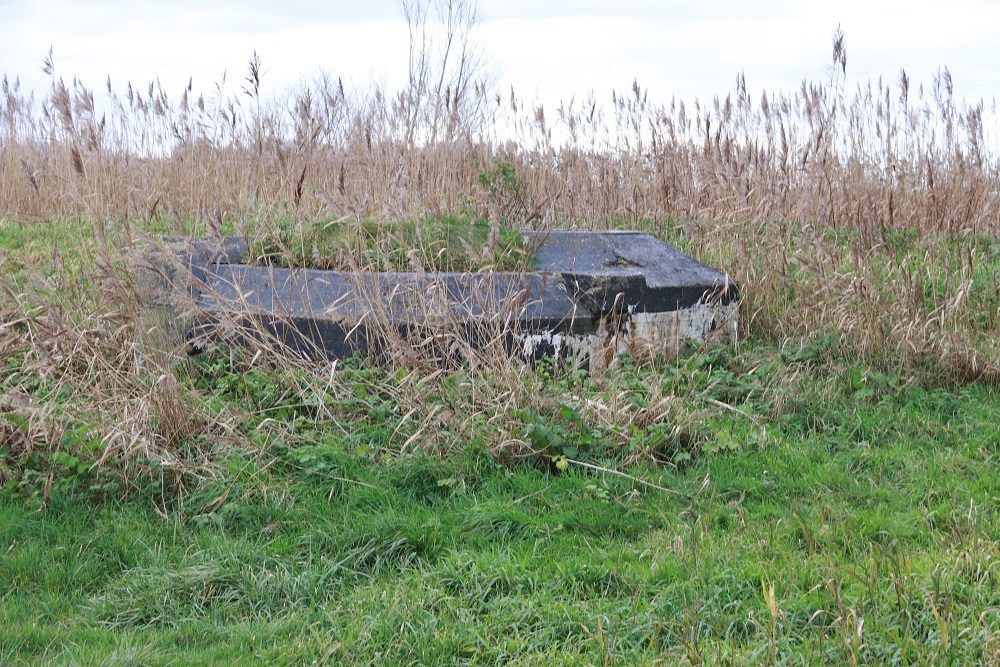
x=866, y=217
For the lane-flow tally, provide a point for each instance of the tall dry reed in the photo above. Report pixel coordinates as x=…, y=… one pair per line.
x=861, y=214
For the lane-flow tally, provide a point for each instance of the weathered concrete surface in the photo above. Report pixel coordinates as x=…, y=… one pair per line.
x=170, y=282
x=649, y=275
x=595, y=295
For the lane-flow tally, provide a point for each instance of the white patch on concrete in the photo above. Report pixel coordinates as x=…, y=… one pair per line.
x=640, y=333
x=531, y=342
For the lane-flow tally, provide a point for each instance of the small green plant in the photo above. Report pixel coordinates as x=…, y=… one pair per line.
x=65, y=470
x=559, y=438
x=506, y=193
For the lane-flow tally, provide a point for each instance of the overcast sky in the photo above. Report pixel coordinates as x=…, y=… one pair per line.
x=552, y=49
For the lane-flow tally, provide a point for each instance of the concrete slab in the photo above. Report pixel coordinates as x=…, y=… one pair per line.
x=594, y=295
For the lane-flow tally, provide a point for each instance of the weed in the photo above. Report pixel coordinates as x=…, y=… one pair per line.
x=446, y=244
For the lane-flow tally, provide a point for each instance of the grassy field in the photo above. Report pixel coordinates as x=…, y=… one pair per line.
x=821, y=490
x=855, y=522
x=751, y=503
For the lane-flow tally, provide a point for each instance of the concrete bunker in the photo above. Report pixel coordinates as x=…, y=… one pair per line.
x=593, y=295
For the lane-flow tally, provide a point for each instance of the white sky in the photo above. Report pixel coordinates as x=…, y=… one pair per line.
x=549, y=49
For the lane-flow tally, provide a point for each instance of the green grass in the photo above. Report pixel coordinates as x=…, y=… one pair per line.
x=40, y=249
x=868, y=503
x=433, y=244
x=58, y=249
x=865, y=499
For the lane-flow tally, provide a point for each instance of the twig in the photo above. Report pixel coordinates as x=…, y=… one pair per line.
x=532, y=494
x=726, y=406
x=629, y=477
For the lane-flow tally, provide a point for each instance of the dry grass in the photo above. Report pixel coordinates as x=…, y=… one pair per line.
x=882, y=158
x=864, y=215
